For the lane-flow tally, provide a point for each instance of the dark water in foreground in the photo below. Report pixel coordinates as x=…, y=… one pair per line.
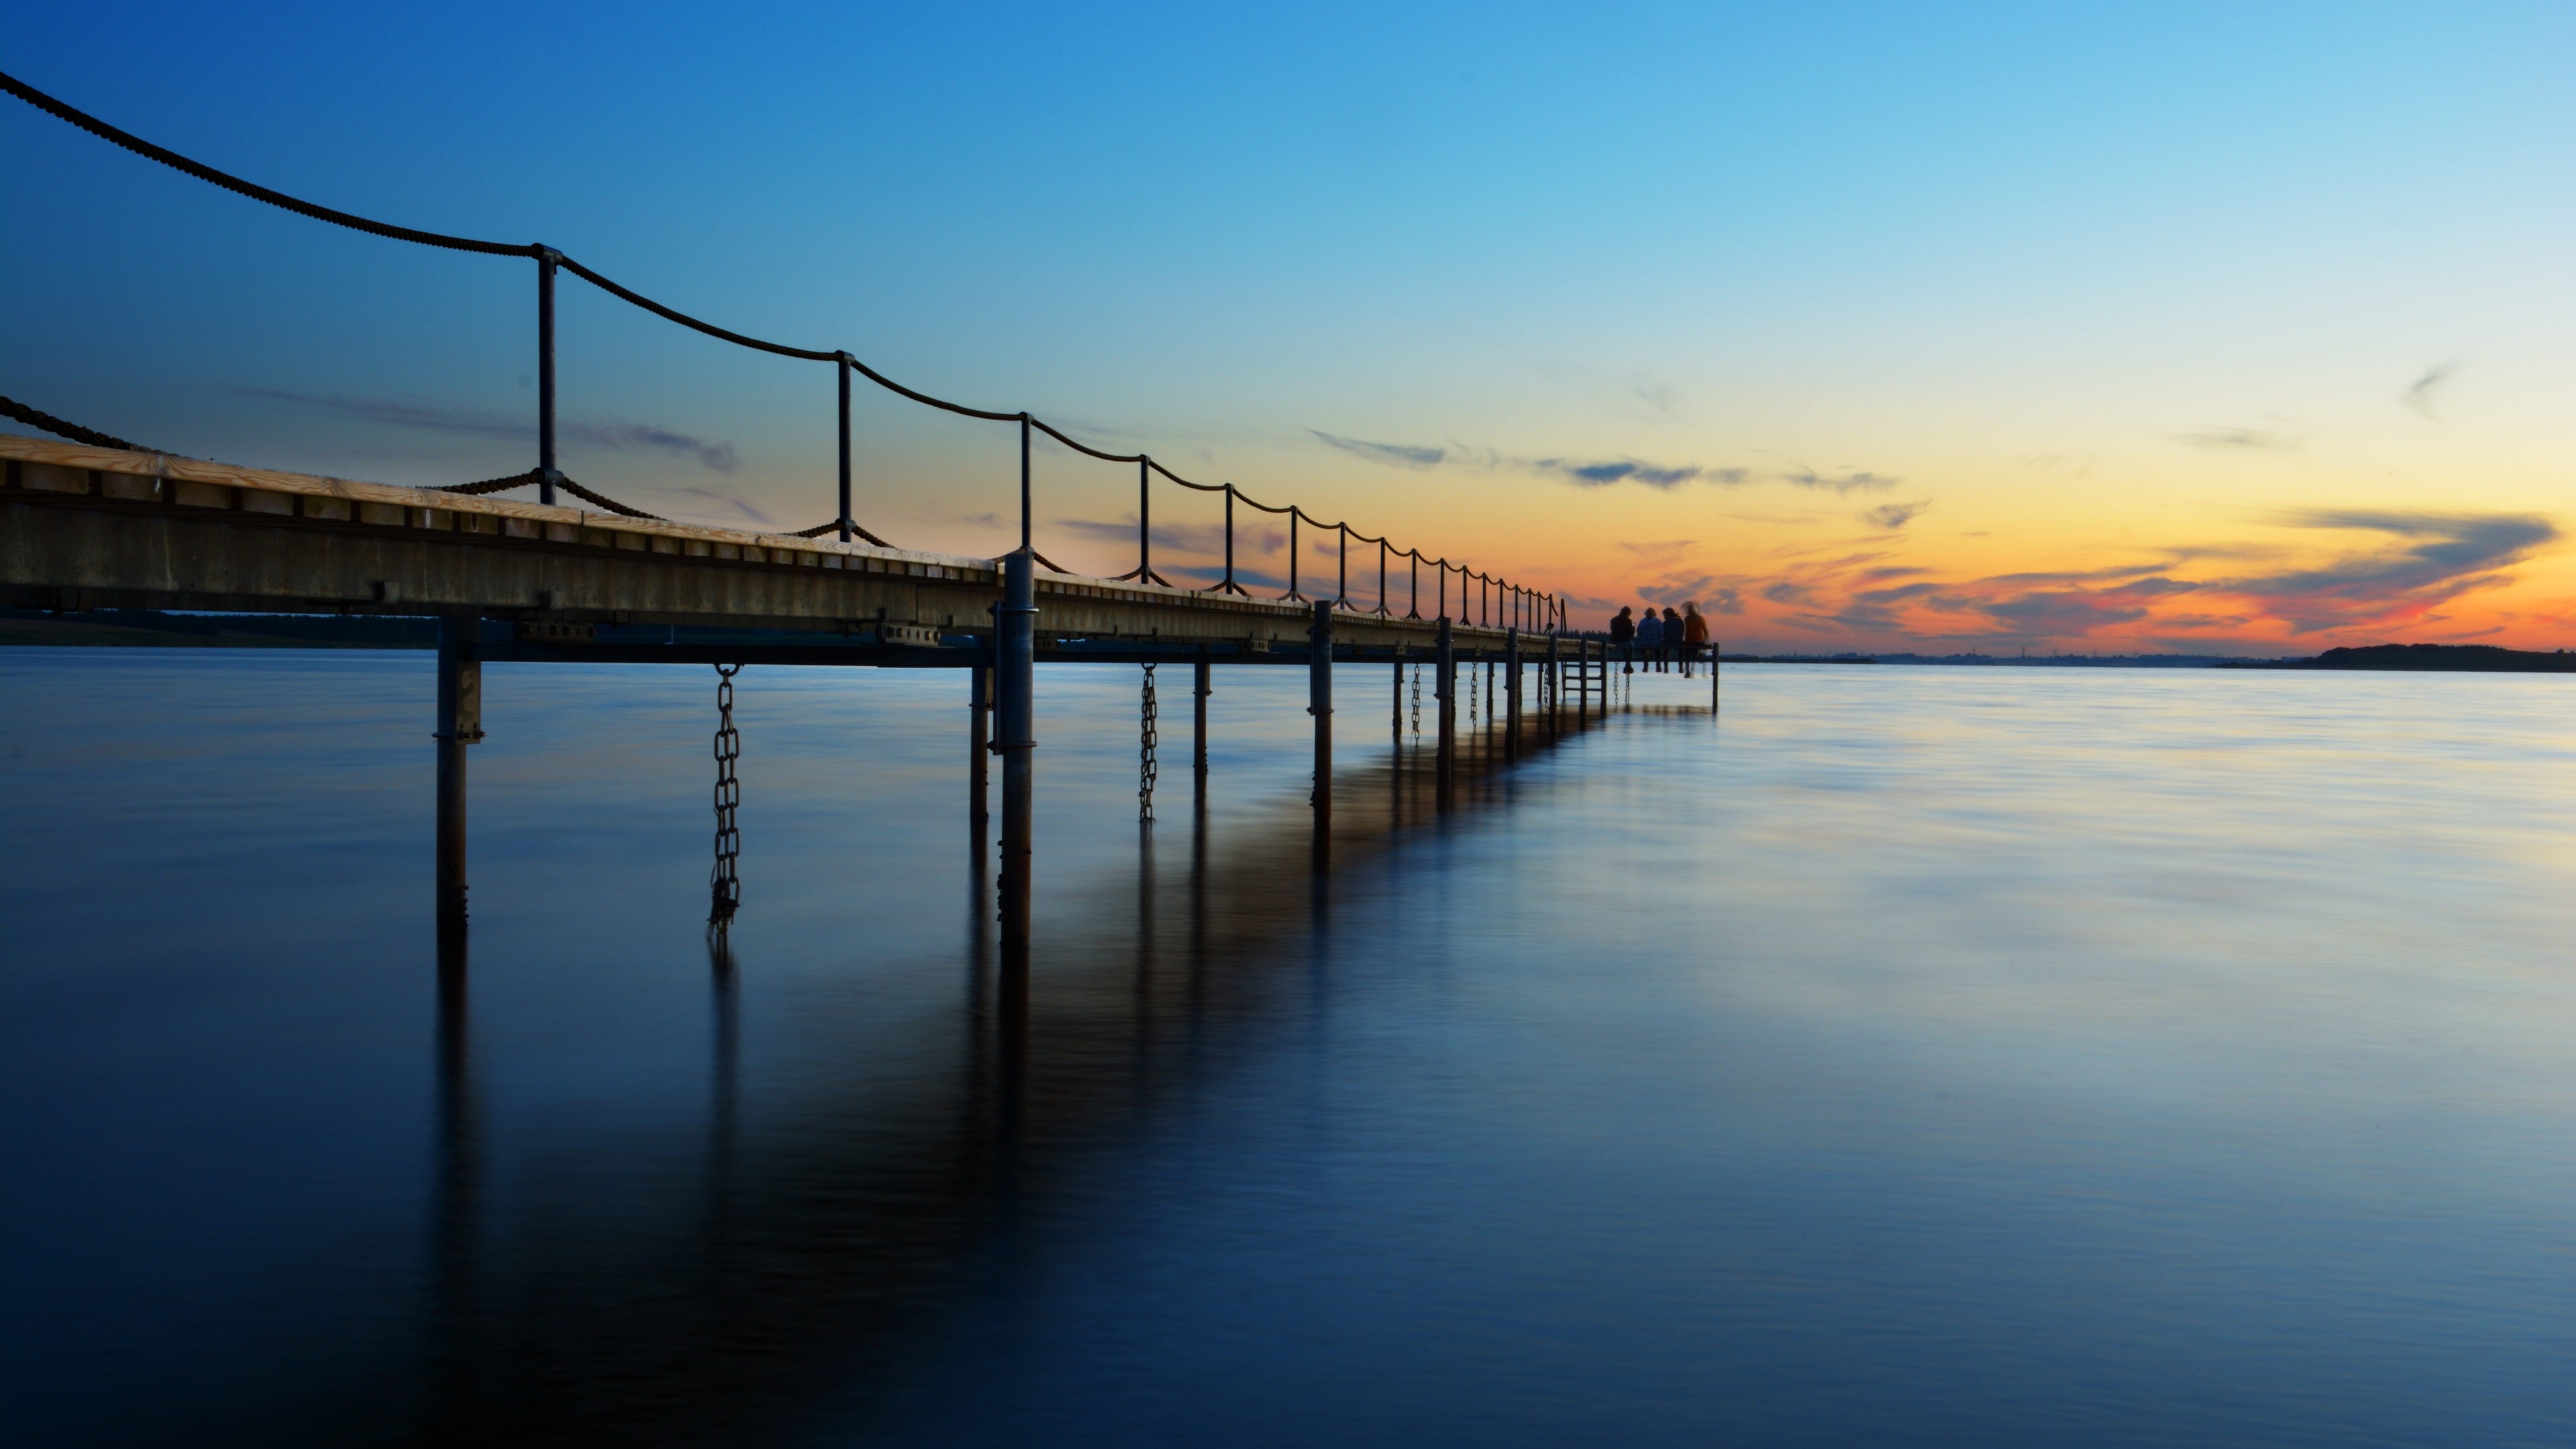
x=1931, y=1056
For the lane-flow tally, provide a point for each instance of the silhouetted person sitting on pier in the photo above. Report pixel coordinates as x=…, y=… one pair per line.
x=1694, y=635
x=1672, y=634
x=1650, y=635
x=1623, y=630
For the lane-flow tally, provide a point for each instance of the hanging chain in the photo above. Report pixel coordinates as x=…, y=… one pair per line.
x=1148, y=734
x=724, y=885
x=1471, y=694
x=1417, y=703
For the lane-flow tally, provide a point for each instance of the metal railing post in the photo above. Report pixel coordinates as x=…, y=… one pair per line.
x=547, y=257
x=1025, y=545
x=841, y=370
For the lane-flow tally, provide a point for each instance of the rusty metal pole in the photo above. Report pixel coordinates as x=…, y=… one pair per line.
x=1319, y=703
x=1445, y=682
x=459, y=723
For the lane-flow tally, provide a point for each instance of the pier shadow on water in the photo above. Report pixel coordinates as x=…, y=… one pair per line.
x=784, y=1275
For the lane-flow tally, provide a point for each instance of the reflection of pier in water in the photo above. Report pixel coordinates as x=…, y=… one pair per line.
x=795, y=1245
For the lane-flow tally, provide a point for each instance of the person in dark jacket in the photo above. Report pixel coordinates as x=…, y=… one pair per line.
x=1672, y=634
x=1623, y=629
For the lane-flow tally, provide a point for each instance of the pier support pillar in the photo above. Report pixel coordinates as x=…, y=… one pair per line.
x=459, y=724
x=1015, y=724
x=1199, y=691
x=979, y=753
x=1551, y=683
x=1445, y=680
x=1398, y=712
x=1319, y=703
x=1512, y=694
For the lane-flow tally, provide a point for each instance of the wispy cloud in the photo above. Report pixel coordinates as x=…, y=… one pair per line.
x=742, y=508
x=618, y=436
x=1629, y=470
x=2409, y=567
x=2422, y=392
x=1845, y=483
x=1893, y=516
x=2438, y=557
x=643, y=437
x=1596, y=472
x=2242, y=440
x=1194, y=539
x=1399, y=455
x=1674, y=587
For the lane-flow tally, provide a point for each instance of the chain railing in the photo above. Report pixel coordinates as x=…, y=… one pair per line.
x=724, y=882
x=1527, y=608
x=1149, y=736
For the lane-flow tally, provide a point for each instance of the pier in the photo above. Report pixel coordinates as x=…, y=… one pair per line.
x=97, y=522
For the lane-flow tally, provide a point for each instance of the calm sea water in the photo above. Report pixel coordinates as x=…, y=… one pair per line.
x=1921, y=1056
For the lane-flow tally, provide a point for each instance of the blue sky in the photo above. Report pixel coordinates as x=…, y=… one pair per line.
x=2068, y=278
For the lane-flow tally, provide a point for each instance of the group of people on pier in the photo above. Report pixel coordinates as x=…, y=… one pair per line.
x=1662, y=641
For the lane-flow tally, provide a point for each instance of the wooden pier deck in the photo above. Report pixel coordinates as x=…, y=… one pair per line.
x=88, y=528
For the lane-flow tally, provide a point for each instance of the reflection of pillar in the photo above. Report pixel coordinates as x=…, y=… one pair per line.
x=1319, y=703
x=456, y=1210
x=1446, y=681
x=723, y=1077
x=1145, y=941
x=459, y=723
x=1015, y=721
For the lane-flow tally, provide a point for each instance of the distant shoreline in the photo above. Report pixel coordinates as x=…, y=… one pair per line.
x=2428, y=658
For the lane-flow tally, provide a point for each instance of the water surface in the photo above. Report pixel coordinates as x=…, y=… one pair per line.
x=1911, y=1055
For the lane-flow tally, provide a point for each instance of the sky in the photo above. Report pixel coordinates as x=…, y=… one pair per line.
x=2226, y=329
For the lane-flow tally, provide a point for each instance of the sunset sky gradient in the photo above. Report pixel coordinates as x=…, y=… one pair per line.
x=2221, y=329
